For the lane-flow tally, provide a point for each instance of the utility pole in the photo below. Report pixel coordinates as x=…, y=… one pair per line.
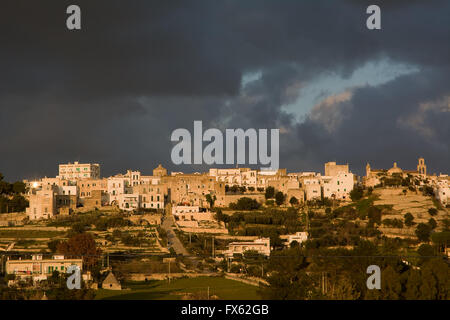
x=307, y=220
x=208, y=293
x=169, y=271
x=189, y=238
x=213, y=253
x=322, y=282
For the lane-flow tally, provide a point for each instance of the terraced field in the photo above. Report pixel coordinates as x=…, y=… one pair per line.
x=415, y=203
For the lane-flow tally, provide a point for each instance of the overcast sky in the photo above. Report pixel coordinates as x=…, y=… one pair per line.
x=113, y=92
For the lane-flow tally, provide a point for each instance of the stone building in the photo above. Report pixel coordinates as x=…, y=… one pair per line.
x=333, y=169
x=111, y=283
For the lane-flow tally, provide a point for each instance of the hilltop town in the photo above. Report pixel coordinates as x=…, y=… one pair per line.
x=239, y=228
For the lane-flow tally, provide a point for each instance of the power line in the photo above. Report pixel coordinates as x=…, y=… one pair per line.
x=130, y=255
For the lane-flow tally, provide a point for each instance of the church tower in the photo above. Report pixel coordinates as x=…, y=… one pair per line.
x=421, y=167
x=368, y=170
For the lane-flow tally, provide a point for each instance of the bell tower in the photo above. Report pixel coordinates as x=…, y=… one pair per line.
x=421, y=167
x=368, y=170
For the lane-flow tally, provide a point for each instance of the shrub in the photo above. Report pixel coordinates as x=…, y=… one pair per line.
x=409, y=219
x=279, y=198
x=432, y=223
x=293, y=201
x=356, y=194
x=245, y=203
x=270, y=192
x=423, y=232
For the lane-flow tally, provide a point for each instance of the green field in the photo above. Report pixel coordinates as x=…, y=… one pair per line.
x=225, y=289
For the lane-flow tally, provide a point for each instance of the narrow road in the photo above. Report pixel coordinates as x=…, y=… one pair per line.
x=172, y=238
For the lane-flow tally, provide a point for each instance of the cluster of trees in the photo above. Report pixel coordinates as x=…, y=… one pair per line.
x=279, y=196
x=128, y=239
x=235, y=189
x=11, y=196
x=245, y=203
x=79, y=245
x=393, y=223
x=340, y=274
x=267, y=223
x=267, y=216
x=55, y=288
x=82, y=222
x=397, y=180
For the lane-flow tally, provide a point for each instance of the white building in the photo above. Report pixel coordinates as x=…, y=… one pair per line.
x=338, y=186
x=153, y=199
x=129, y=202
x=261, y=245
x=299, y=237
x=442, y=192
x=191, y=213
x=237, y=176
x=74, y=171
x=116, y=187
x=312, y=186
x=42, y=203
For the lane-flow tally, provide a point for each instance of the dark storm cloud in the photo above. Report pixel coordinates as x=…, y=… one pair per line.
x=384, y=124
x=113, y=92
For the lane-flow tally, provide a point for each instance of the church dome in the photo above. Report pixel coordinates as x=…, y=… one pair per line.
x=395, y=169
x=160, y=171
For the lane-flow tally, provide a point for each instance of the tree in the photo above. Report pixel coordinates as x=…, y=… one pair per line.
x=211, y=199
x=17, y=204
x=82, y=244
x=374, y=215
x=425, y=250
x=446, y=223
x=423, y=232
x=19, y=187
x=435, y=275
x=270, y=192
x=288, y=279
x=432, y=211
x=279, y=198
x=245, y=203
x=409, y=219
x=356, y=194
x=432, y=223
x=390, y=284
x=293, y=201
x=413, y=284
x=53, y=245
x=234, y=189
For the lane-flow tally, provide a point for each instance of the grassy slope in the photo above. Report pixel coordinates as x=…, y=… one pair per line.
x=161, y=290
